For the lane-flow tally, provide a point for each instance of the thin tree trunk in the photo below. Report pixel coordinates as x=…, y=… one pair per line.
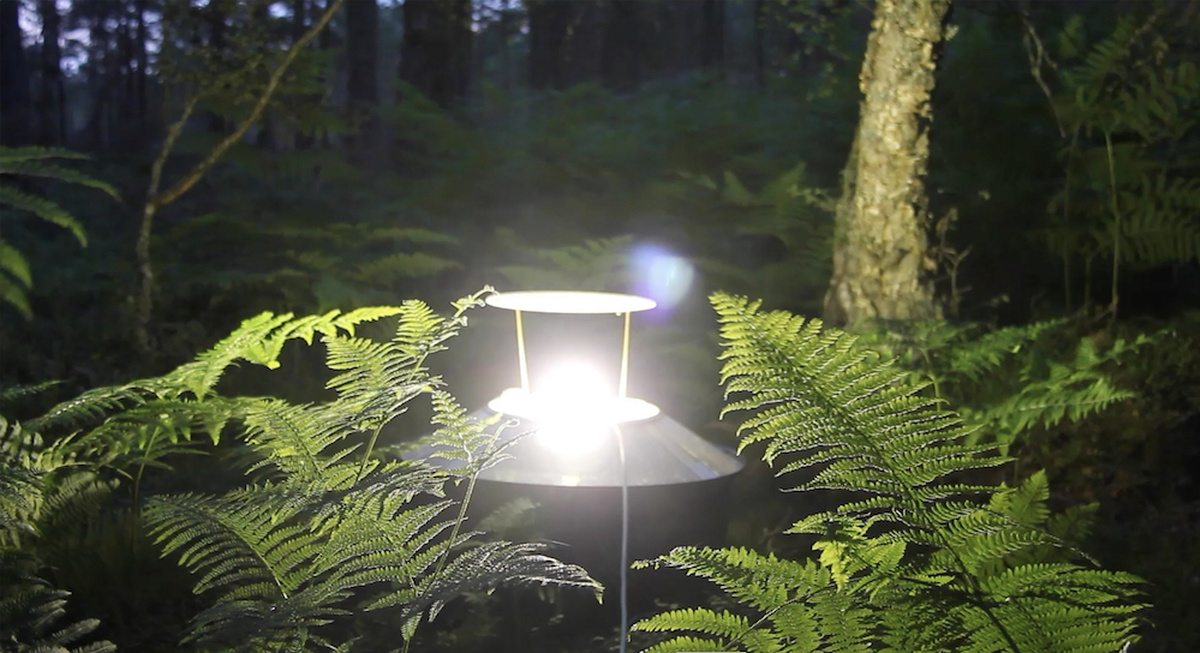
x=760, y=44
x=299, y=18
x=435, y=55
x=362, y=87
x=16, y=110
x=156, y=199
x=143, y=63
x=620, y=64
x=51, y=107
x=880, y=259
x=712, y=35
x=506, y=75
x=549, y=22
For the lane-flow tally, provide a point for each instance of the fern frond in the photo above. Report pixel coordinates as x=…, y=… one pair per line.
x=487, y=566
x=32, y=168
x=728, y=629
x=14, y=264
x=20, y=495
x=818, y=397
x=14, y=295
x=44, y=209
x=243, y=544
x=29, y=612
x=916, y=560
x=15, y=155
x=295, y=438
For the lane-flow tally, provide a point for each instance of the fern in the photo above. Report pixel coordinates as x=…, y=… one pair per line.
x=334, y=529
x=1007, y=381
x=15, y=275
x=29, y=623
x=1122, y=105
x=917, y=557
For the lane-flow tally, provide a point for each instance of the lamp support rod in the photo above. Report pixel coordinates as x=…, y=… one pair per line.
x=521, y=353
x=624, y=383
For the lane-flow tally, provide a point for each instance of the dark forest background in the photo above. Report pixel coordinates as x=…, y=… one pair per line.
x=425, y=148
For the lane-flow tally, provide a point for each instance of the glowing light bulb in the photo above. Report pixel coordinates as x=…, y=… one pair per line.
x=574, y=383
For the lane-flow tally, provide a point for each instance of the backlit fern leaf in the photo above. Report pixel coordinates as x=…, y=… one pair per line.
x=916, y=559
x=15, y=275
x=820, y=398
x=282, y=560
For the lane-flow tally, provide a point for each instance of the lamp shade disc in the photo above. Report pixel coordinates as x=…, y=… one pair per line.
x=573, y=302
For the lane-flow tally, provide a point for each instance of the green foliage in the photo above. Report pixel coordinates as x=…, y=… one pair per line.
x=34, y=502
x=1126, y=105
x=789, y=211
x=15, y=275
x=917, y=557
x=1008, y=382
x=599, y=264
x=374, y=250
x=331, y=529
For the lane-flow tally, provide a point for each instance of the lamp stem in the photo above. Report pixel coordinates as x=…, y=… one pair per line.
x=521, y=353
x=624, y=537
x=624, y=383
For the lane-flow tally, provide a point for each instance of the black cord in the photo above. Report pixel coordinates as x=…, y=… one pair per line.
x=624, y=541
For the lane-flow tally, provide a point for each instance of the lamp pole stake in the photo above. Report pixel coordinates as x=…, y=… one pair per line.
x=624, y=384
x=521, y=353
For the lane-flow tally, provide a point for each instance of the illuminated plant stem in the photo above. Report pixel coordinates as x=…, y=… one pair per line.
x=362, y=466
x=1112, y=193
x=458, y=522
x=156, y=200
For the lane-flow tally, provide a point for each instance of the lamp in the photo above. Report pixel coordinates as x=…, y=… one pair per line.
x=588, y=434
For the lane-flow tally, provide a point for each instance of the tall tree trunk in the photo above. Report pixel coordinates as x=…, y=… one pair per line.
x=880, y=257
x=362, y=87
x=549, y=21
x=712, y=35
x=143, y=63
x=435, y=56
x=299, y=19
x=760, y=44
x=51, y=104
x=156, y=198
x=506, y=75
x=217, y=42
x=127, y=100
x=620, y=64
x=16, y=111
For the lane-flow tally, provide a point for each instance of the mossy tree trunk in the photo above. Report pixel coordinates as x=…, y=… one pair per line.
x=881, y=262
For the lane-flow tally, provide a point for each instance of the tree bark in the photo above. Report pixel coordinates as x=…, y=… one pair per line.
x=435, y=56
x=51, y=104
x=548, y=23
x=16, y=110
x=712, y=35
x=143, y=63
x=760, y=44
x=620, y=65
x=156, y=199
x=880, y=259
x=362, y=87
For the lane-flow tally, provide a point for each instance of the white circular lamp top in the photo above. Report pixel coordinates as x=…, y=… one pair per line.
x=556, y=410
x=575, y=302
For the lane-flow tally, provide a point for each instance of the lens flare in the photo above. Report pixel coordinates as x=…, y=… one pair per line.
x=661, y=275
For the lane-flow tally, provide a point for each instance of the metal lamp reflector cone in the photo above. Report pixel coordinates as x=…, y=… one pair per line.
x=577, y=433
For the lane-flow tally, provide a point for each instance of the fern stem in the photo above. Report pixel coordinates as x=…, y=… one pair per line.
x=1112, y=193
x=458, y=522
x=910, y=503
x=362, y=466
x=137, y=481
